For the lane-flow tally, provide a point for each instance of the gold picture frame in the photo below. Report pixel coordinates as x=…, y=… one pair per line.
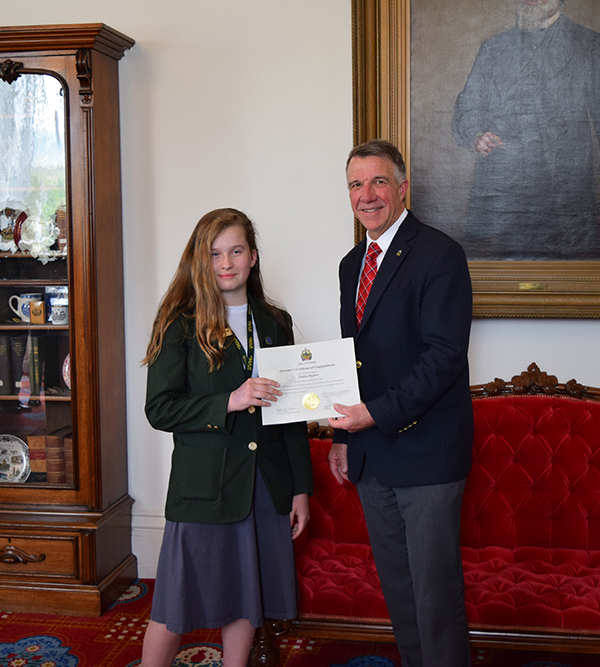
x=382, y=108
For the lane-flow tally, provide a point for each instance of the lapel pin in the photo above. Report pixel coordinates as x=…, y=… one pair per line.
x=398, y=253
x=269, y=340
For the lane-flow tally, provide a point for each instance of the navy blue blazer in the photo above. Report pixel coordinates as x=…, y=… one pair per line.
x=411, y=350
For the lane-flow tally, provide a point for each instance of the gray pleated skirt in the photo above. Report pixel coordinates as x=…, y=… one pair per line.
x=211, y=575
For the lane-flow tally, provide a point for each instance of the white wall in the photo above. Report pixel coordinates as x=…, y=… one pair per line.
x=248, y=104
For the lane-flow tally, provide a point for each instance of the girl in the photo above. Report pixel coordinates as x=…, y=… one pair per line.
x=227, y=557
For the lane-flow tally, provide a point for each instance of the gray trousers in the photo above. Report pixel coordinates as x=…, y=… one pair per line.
x=414, y=533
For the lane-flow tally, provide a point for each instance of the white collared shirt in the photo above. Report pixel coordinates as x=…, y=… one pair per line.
x=384, y=242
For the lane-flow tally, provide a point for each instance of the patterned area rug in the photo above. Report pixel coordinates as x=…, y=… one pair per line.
x=115, y=640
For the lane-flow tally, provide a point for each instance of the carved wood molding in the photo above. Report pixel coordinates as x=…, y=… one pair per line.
x=83, y=64
x=9, y=70
x=14, y=556
x=381, y=77
x=535, y=381
x=315, y=430
x=97, y=36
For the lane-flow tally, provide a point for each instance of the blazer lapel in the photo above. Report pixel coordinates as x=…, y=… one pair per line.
x=233, y=362
x=395, y=255
x=267, y=328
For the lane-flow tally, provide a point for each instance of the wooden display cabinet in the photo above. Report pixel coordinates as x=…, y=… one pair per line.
x=65, y=512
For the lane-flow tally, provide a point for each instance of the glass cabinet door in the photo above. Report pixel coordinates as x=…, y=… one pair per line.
x=36, y=440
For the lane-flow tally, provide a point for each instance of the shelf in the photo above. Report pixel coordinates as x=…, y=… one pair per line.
x=54, y=254
x=49, y=398
x=36, y=282
x=34, y=327
x=36, y=485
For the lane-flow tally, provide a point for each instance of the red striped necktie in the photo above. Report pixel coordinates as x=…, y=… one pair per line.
x=366, y=280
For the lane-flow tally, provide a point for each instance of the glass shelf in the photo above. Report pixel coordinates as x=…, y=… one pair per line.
x=34, y=327
x=38, y=399
x=53, y=255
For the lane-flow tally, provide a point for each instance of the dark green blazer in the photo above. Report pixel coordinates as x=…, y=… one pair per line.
x=216, y=454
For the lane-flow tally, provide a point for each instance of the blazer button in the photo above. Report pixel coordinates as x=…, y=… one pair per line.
x=209, y=425
x=358, y=364
x=252, y=446
x=251, y=409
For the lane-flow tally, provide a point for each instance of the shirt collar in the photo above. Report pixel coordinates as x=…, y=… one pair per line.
x=385, y=239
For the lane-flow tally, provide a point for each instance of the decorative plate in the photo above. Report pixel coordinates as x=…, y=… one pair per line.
x=10, y=217
x=66, y=370
x=14, y=459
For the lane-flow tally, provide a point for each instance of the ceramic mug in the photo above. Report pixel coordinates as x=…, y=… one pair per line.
x=22, y=307
x=59, y=313
x=57, y=304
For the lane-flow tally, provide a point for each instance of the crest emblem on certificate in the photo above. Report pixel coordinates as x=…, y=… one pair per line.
x=306, y=354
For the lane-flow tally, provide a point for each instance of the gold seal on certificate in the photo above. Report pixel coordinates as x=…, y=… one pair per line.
x=311, y=401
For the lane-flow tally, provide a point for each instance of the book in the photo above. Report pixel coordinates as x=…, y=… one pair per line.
x=37, y=451
x=37, y=478
x=18, y=345
x=6, y=381
x=49, y=369
x=35, y=365
x=55, y=455
x=69, y=465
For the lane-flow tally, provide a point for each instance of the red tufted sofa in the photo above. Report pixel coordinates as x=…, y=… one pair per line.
x=530, y=527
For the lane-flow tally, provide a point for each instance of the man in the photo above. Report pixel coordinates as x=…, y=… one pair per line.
x=407, y=446
x=530, y=110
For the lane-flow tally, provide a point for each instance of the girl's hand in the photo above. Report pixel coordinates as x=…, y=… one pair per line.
x=255, y=391
x=300, y=514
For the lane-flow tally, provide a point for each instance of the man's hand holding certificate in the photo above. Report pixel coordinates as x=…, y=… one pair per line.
x=312, y=378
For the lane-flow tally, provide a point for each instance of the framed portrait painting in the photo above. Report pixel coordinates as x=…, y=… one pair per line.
x=495, y=105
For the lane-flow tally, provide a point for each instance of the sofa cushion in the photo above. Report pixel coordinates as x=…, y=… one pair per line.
x=532, y=587
x=339, y=579
x=527, y=586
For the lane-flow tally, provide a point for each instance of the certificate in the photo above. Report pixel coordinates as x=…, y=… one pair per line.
x=312, y=378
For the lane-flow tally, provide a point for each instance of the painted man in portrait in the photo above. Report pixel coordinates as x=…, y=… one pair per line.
x=530, y=110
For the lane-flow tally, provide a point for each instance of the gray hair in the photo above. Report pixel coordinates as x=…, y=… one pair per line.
x=383, y=149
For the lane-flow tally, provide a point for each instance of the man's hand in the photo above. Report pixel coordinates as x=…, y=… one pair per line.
x=300, y=514
x=355, y=418
x=338, y=461
x=486, y=143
